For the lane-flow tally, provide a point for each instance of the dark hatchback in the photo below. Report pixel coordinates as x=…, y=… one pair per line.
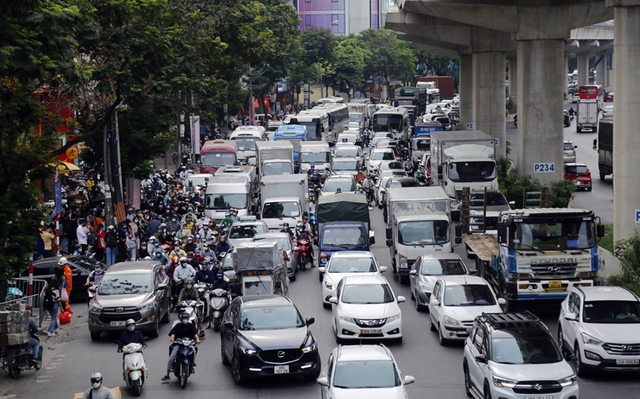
x=265, y=335
x=80, y=266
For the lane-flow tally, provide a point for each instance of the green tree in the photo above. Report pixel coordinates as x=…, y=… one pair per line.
x=37, y=46
x=318, y=56
x=390, y=56
x=431, y=64
x=350, y=64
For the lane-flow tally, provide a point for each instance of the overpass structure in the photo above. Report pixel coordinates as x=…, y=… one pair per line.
x=535, y=35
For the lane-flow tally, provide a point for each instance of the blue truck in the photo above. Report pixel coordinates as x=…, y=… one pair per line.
x=343, y=225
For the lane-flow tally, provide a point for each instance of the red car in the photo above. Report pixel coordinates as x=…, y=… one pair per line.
x=608, y=96
x=580, y=173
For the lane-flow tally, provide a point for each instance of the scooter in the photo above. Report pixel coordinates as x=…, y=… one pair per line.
x=91, y=291
x=184, y=360
x=302, y=253
x=134, y=369
x=204, y=295
x=194, y=310
x=18, y=358
x=219, y=303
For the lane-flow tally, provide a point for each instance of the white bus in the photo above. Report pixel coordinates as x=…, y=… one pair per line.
x=394, y=120
x=338, y=119
x=331, y=100
x=316, y=122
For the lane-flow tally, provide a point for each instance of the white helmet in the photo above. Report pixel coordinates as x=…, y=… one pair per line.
x=62, y=261
x=96, y=376
x=130, y=321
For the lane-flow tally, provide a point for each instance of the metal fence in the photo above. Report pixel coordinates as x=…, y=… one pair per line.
x=17, y=294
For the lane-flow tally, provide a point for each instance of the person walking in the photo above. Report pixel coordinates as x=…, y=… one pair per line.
x=52, y=296
x=111, y=241
x=82, y=233
x=68, y=283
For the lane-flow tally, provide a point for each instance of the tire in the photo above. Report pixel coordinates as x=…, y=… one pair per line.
x=184, y=375
x=95, y=335
x=137, y=389
x=14, y=370
x=432, y=327
x=413, y=297
x=467, y=379
x=155, y=333
x=320, y=275
x=561, y=344
x=602, y=175
x=589, y=188
x=441, y=339
x=236, y=373
x=404, y=280
x=292, y=278
x=225, y=361
x=166, y=318
x=487, y=392
x=216, y=325
x=580, y=367
x=419, y=307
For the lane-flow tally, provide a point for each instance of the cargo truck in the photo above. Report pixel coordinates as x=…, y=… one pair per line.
x=224, y=193
x=604, y=145
x=463, y=159
x=274, y=158
x=445, y=85
x=538, y=254
x=283, y=199
x=587, y=116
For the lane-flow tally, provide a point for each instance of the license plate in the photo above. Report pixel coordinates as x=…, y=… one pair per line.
x=633, y=362
x=117, y=324
x=555, y=284
x=368, y=331
x=281, y=370
x=539, y=397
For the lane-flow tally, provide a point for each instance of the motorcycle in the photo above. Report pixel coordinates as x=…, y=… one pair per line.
x=18, y=358
x=194, y=309
x=184, y=360
x=91, y=291
x=204, y=294
x=134, y=369
x=218, y=304
x=302, y=253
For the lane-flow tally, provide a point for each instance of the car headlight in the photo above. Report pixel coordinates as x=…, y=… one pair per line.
x=450, y=321
x=309, y=344
x=246, y=347
x=348, y=319
x=95, y=308
x=503, y=382
x=568, y=381
x=147, y=306
x=324, y=259
x=328, y=285
x=403, y=262
x=393, y=318
x=425, y=286
x=588, y=339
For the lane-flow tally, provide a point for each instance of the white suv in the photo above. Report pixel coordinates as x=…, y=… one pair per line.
x=599, y=326
x=513, y=356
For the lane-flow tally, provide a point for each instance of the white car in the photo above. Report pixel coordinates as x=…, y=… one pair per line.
x=384, y=176
x=363, y=372
x=365, y=307
x=377, y=137
x=346, y=184
x=244, y=231
x=348, y=136
x=377, y=156
x=346, y=150
x=343, y=264
x=345, y=166
x=599, y=327
x=455, y=303
x=426, y=270
x=513, y=356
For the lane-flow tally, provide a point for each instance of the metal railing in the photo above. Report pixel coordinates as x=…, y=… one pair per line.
x=17, y=290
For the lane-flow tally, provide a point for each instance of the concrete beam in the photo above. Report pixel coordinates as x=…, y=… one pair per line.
x=430, y=27
x=434, y=46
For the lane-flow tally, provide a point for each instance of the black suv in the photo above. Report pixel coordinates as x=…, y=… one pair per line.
x=513, y=355
x=265, y=335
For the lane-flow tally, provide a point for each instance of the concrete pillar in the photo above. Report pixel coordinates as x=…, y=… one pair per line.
x=608, y=73
x=466, y=90
x=583, y=69
x=489, y=96
x=566, y=74
x=626, y=141
x=513, y=79
x=600, y=70
x=540, y=126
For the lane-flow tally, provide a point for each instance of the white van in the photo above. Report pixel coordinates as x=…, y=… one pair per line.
x=224, y=193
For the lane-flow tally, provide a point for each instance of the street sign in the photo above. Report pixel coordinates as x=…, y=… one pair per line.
x=469, y=126
x=71, y=153
x=637, y=215
x=544, y=167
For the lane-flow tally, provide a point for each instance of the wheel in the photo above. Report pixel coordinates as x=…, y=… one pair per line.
x=135, y=385
x=602, y=175
x=292, y=278
x=225, y=361
x=184, y=375
x=419, y=307
x=487, y=392
x=155, y=333
x=404, y=279
x=320, y=275
x=413, y=297
x=467, y=380
x=589, y=188
x=432, y=326
x=561, y=342
x=95, y=335
x=14, y=370
x=315, y=374
x=441, y=339
x=216, y=325
x=166, y=318
x=236, y=373
x=580, y=367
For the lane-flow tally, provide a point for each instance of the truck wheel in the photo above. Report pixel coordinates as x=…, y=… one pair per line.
x=512, y=306
x=602, y=175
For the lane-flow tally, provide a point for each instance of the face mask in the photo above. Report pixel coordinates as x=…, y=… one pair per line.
x=185, y=321
x=131, y=328
x=219, y=277
x=96, y=385
x=183, y=264
x=189, y=286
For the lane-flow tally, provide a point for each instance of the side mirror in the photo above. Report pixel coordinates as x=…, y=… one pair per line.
x=600, y=230
x=321, y=270
x=473, y=272
x=310, y=321
x=481, y=358
x=413, y=272
x=383, y=269
x=458, y=231
x=571, y=317
x=409, y=379
x=434, y=302
x=387, y=232
x=401, y=299
x=162, y=286
x=228, y=324
x=502, y=301
x=324, y=381
x=333, y=299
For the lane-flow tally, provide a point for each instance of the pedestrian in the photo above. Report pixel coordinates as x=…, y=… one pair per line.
x=122, y=242
x=49, y=240
x=132, y=246
x=111, y=241
x=100, y=243
x=67, y=284
x=82, y=232
x=53, y=304
x=97, y=390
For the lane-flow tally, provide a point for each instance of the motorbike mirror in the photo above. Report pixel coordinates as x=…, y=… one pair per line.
x=310, y=321
x=228, y=324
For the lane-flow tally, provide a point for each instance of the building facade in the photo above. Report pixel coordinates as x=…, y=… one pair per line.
x=342, y=17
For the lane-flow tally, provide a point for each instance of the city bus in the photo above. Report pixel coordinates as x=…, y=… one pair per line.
x=338, y=119
x=394, y=120
x=316, y=121
x=592, y=92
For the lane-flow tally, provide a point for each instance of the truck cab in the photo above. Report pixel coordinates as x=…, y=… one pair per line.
x=224, y=193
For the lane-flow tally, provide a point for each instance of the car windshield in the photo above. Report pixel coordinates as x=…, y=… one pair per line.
x=387, y=123
x=346, y=151
x=611, y=312
x=476, y=223
x=124, y=284
x=315, y=157
x=282, y=241
x=226, y=201
x=218, y=158
x=382, y=156
x=352, y=265
x=277, y=168
x=568, y=147
x=577, y=170
x=468, y=295
x=246, y=143
x=355, y=117
x=366, y=374
x=472, y=171
x=332, y=185
x=427, y=232
x=421, y=144
x=270, y=318
x=523, y=346
x=554, y=235
x=345, y=237
x=366, y=294
x=440, y=267
x=244, y=231
x=345, y=165
x=280, y=210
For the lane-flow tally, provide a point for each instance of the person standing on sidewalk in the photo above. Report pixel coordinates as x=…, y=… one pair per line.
x=100, y=243
x=68, y=282
x=83, y=235
x=111, y=241
x=49, y=240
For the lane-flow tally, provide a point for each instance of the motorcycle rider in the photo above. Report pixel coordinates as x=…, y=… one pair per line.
x=205, y=234
x=131, y=335
x=221, y=283
x=182, y=330
x=189, y=292
x=304, y=234
x=367, y=137
x=408, y=166
x=205, y=274
x=177, y=251
x=180, y=274
x=207, y=252
x=159, y=256
x=286, y=229
x=97, y=391
x=223, y=245
x=360, y=176
x=227, y=222
x=190, y=246
x=192, y=261
x=95, y=276
x=173, y=225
